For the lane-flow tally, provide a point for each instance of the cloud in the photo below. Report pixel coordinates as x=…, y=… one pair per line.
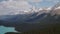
x=13, y=6
x=36, y=1
x=55, y=1
x=49, y=0
x=8, y=7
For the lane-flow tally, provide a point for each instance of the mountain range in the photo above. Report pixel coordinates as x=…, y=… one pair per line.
x=36, y=19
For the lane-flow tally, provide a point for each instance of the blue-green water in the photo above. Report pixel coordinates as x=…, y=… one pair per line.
x=6, y=29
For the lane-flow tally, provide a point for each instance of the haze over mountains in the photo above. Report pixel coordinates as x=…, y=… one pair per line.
x=31, y=14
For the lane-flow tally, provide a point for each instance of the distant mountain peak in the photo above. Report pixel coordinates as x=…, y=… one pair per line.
x=58, y=7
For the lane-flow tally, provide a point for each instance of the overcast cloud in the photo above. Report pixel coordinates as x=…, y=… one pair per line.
x=12, y=6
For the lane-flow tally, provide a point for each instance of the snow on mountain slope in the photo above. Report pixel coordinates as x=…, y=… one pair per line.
x=55, y=11
x=30, y=14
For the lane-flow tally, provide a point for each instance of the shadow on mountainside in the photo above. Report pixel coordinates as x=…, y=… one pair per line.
x=49, y=25
x=52, y=29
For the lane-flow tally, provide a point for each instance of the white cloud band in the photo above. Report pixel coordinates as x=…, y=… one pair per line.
x=13, y=6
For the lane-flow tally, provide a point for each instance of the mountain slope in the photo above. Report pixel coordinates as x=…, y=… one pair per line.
x=35, y=20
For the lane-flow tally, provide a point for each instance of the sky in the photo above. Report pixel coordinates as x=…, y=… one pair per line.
x=45, y=3
x=39, y=3
x=14, y=6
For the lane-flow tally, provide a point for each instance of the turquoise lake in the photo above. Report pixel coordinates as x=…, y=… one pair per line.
x=6, y=29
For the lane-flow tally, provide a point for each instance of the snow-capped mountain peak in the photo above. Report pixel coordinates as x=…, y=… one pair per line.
x=58, y=7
